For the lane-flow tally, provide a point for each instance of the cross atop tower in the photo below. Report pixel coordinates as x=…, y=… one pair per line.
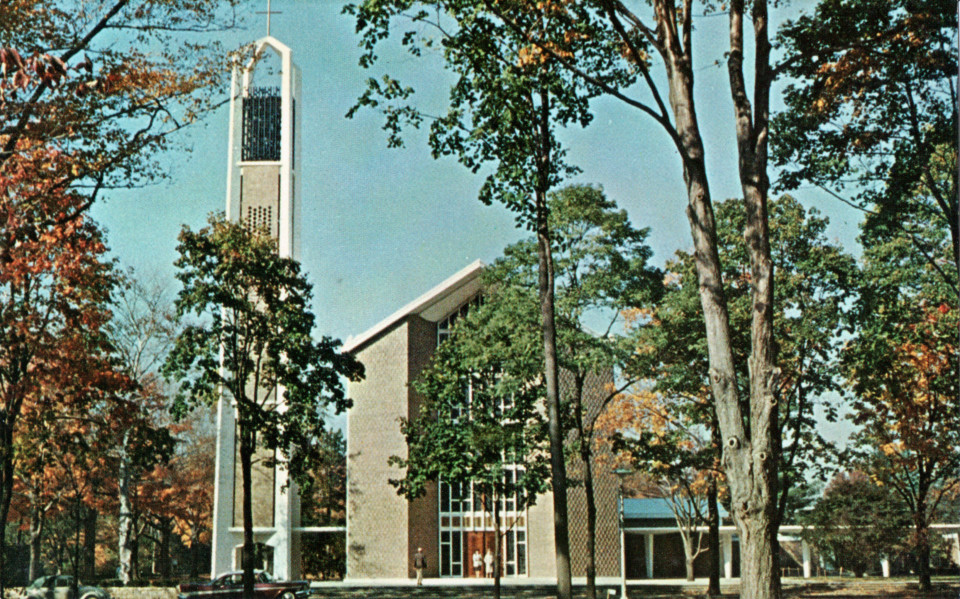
x=268, y=12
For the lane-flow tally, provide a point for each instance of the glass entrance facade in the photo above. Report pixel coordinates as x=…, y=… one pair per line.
x=466, y=527
x=466, y=516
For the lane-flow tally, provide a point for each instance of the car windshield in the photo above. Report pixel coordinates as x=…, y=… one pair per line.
x=36, y=584
x=265, y=577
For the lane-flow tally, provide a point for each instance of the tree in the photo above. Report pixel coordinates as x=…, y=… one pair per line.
x=79, y=77
x=480, y=427
x=816, y=281
x=189, y=494
x=505, y=109
x=676, y=455
x=905, y=404
x=873, y=106
x=902, y=364
x=323, y=502
x=53, y=292
x=254, y=342
x=82, y=109
x=601, y=270
x=142, y=331
x=63, y=439
x=856, y=523
x=595, y=42
x=62, y=452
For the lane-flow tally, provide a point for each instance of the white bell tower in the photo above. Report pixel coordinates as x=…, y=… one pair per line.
x=263, y=190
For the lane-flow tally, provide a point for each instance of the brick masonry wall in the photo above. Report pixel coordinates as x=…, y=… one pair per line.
x=377, y=518
x=422, y=525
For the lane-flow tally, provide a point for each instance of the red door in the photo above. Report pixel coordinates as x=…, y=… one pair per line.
x=478, y=542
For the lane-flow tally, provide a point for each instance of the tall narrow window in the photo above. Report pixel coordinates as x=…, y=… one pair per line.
x=261, y=125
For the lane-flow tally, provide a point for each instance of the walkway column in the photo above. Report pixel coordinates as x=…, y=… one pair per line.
x=649, y=555
x=805, y=550
x=727, y=556
x=885, y=567
x=623, y=559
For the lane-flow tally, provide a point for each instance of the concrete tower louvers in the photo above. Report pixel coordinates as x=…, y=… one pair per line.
x=263, y=161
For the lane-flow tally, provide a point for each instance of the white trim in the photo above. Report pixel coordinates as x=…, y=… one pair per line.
x=319, y=529
x=784, y=528
x=445, y=289
x=256, y=530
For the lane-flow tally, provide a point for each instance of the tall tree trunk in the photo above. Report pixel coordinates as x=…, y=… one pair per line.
x=165, y=529
x=749, y=458
x=713, y=539
x=89, y=569
x=922, y=530
x=77, y=529
x=586, y=456
x=249, y=549
x=754, y=491
x=194, y=553
x=125, y=524
x=6, y=490
x=36, y=535
x=591, y=527
x=737, y=450
x=688, y=565
x=558, y=469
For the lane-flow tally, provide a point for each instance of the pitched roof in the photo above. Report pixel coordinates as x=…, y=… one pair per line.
x=432, y=305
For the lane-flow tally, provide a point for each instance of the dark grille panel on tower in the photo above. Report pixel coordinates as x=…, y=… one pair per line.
x=261, y=124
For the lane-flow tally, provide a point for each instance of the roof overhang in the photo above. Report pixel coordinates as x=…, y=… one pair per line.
x=431, y=306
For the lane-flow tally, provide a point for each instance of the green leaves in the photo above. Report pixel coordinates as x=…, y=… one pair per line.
x=873, y=109
x=856, y=523
x=815, y=283
x=481, y=414
x=510, y=95
x=254, y=336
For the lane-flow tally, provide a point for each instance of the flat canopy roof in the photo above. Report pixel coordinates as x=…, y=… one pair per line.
x=652, y=508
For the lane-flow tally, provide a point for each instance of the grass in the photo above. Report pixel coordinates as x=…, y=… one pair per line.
x=826, y=588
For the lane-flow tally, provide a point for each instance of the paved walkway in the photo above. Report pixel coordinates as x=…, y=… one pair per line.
x=609, y=588
x=511, y=588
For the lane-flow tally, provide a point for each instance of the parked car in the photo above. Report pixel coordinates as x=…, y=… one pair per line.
x=61, y=587
x=230, y=586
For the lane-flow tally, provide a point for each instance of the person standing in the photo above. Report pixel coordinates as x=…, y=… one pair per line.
x=419, y=563
x=477, y=564
x=488, y=562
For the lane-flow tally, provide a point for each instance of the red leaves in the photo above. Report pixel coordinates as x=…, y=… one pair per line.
x=52, y=308
x=17, y=73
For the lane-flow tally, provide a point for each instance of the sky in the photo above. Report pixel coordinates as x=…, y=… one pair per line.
x=381, y=226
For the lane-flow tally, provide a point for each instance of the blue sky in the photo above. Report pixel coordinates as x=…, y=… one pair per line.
x=381, y=226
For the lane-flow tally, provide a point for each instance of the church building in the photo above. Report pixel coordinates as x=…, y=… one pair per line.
x=384, y=530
